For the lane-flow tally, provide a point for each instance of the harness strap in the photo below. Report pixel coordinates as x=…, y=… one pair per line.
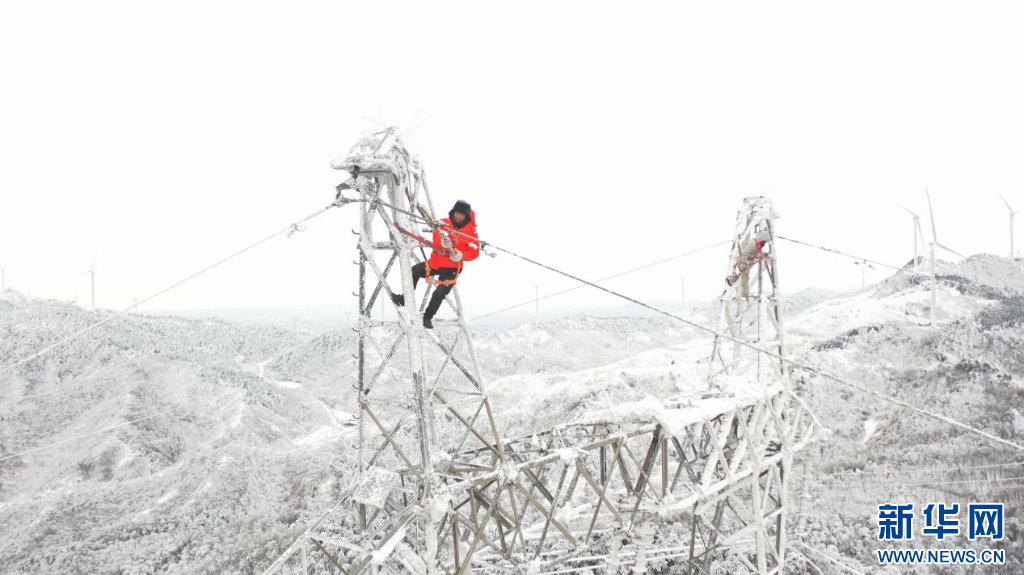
x=438, y=282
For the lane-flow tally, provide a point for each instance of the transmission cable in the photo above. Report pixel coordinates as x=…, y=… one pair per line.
x=652, y=264
x=858, y=258
x=104, y=430
x=93, y=326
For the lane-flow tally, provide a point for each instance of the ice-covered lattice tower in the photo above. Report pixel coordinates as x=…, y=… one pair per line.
x=750, y=302
x=439, y=490
x=778, y=423
x=426, y=430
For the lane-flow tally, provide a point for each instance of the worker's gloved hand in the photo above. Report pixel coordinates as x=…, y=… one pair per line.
x=456, y=255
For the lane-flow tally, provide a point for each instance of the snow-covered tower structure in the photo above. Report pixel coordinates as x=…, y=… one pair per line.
x=426, y=430
x=750, y=312
x=439, y=490
x=746, y=357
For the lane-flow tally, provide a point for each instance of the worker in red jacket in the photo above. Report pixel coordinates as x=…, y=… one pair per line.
x=458, y=230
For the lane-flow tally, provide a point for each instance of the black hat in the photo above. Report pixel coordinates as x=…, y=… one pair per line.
x=463, y=208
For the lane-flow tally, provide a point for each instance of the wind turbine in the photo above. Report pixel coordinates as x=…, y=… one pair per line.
x=536, y=297
x=92, y=279
x=1012, y=213
x=916, y=232
x=934, y=243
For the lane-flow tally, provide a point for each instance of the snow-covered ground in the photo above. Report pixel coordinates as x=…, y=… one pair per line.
x=259, y=435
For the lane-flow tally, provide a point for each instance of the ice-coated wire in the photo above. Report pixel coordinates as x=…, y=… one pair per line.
x=923, y=484
x=90, y=434
x=858, y=258
x=622, y=273
x=829, y=557
x=897, y=470
x=93, y=326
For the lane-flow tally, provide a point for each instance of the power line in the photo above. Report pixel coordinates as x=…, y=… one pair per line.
x=858, y=258
x=829, y=557
x=165, y=290
x=629, y=271
x=897, y=470
x=295, y=443
x=111, y=428
x=104, y=430
x=817, y=569
x=291, y=227
x=922, y=484
x=75, y=381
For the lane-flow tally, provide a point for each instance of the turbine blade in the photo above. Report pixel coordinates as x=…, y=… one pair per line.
x=950, y=250
x=908, y=210
x=1005, y=202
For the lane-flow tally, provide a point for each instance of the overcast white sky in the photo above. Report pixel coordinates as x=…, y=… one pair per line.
x=592, y=136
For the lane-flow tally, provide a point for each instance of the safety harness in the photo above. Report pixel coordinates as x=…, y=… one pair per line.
x=438, y=282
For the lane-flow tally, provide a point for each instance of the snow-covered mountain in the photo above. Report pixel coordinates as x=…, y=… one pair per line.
x=247, y=430
x=209, y=486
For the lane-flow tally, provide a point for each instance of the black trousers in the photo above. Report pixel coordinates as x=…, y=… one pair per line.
x=440, y=291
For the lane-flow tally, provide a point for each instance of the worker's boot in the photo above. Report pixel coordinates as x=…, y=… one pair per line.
x=427, y=323
x=399, y=299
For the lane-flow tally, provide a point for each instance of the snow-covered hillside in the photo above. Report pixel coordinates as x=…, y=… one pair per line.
x=970, y=369
x=209, y=486
x=252, y=434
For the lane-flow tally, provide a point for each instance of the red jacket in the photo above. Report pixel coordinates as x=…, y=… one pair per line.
x=465, y=241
